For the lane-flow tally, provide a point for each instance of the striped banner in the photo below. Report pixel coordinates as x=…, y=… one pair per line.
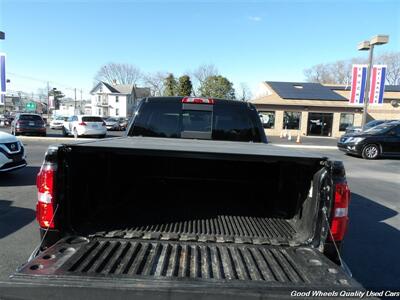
x=3, y=73
x=378, y=77
x=358, y=82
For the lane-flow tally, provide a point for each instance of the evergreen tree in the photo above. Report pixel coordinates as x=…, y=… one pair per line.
x=185, y=86
x=170, y=86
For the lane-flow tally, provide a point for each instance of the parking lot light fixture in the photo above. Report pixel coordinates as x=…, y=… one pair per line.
x=364, y=45
x=369, y=45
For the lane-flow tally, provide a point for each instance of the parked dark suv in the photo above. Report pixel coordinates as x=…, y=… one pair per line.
x=381, y=140
x=26, y=123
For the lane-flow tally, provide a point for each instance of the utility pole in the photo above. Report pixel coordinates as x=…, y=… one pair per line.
x=75, y=101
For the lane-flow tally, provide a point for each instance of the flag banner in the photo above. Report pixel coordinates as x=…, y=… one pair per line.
x=378, y=77
x=359, y=79
x=2, y=73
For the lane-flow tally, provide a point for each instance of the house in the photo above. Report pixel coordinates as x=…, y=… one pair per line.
x=69, y=107
x=316, y=109
x=116, y=100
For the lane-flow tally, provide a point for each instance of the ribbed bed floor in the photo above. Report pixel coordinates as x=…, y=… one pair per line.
x=238, y=229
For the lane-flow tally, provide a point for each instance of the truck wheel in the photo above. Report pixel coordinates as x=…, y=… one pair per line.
x=370, y=151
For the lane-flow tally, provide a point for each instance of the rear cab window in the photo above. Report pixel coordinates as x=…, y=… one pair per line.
x=30, y=118
x=92, y=119
x=224, y=120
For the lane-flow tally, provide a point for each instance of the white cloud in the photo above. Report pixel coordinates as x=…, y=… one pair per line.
x=255, y=18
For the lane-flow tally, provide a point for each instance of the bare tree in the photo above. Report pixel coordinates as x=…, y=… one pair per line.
x=200, y=74
x=340, y=71
x=120, y=73
x=204, y=71
x=392, y=60
x=319, y=73
x=155, y=81
x=244, y=92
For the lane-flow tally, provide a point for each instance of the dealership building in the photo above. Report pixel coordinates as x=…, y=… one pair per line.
x=315, y=109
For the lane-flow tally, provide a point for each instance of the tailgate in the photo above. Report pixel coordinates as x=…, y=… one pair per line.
x=184, y=265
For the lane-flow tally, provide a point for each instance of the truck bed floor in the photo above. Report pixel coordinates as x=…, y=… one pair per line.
x=239, y=229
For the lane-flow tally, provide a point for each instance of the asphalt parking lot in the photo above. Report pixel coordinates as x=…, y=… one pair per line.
x=372, y=245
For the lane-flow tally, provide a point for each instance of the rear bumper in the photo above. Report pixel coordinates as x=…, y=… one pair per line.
x=89, y=132
x=30, y=130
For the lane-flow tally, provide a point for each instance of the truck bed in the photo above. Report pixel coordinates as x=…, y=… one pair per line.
x=222, y=228
x=162, y=264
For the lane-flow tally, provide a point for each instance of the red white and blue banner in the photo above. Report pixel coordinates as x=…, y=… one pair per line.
x=359, y=82
x=359, y=79
x=378, y=77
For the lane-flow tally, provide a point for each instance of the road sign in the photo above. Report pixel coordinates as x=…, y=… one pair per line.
x=378, y=77
x=30, y=106
x=358, y=82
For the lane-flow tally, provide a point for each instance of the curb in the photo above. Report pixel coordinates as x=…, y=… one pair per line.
x=306, y=146
x=49, y=138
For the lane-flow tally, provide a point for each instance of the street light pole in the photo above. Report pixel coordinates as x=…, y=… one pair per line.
x=369, y=45
x=367, y=86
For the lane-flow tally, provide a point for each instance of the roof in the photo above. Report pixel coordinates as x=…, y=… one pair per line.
x=124, y=89
x=110, y=87
x=304, y=91
x=163, y=99
x=172, y=145
x=388, y=88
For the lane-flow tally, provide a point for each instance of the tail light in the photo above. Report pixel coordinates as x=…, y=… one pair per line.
x=82, y=124
x=45, y=186
x=197, y=100
x=340, y=212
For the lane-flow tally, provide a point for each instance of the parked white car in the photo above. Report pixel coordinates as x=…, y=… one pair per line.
x=58, y=122
x=84, y=125
x=12, y=154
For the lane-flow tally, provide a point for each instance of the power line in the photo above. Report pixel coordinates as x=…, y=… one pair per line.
x=65, y=86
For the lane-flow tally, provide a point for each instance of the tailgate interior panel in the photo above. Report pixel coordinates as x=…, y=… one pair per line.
x=192, y=263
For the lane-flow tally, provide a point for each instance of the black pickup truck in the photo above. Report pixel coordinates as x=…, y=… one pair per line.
x=191, y=203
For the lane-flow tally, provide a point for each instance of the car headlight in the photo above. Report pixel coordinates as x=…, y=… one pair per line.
x=354, y=140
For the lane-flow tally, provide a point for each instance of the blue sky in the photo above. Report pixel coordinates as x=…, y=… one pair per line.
x=67, y=41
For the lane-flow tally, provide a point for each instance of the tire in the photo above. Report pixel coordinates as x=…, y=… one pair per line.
x=370, y=151
x=102, y=136
x=64, y=132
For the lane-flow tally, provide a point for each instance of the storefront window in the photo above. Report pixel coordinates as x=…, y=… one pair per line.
x=267, y=119
x=291, y=120
x=346, y=120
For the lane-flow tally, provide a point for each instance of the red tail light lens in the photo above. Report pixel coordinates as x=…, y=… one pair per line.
x=82, y=124
x=44, y=207
x=340, y=217
x=198, y=100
